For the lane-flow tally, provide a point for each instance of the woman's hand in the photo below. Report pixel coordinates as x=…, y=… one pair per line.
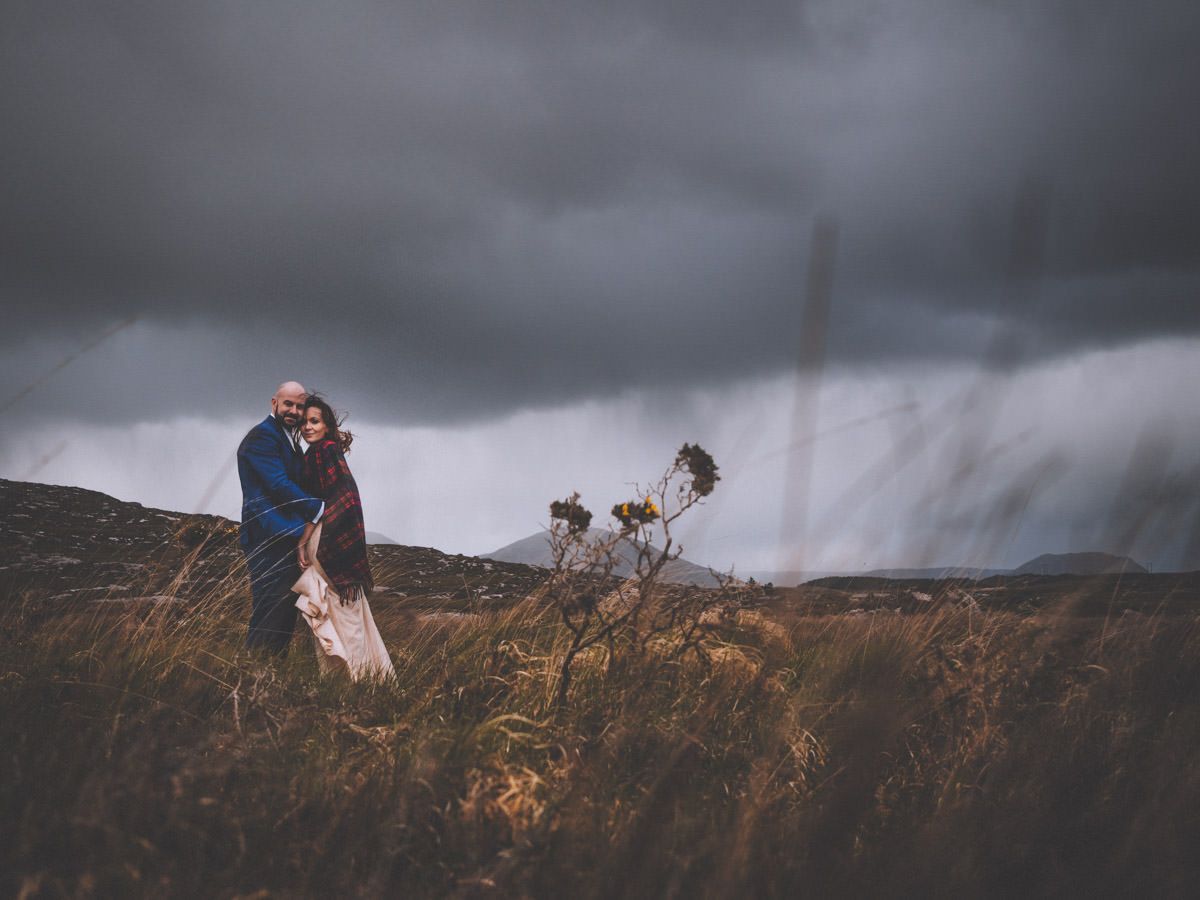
x=302, y=550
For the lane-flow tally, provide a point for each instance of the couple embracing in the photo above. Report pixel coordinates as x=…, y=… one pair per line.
x=303, y=537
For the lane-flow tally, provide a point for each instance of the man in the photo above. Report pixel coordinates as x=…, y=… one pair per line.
x=274, y=512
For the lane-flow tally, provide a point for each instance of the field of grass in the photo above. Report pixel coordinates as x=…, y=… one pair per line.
x=944, y=753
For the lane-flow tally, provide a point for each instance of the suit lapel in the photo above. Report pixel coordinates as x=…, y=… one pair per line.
x=293, y=460
x=279, y=430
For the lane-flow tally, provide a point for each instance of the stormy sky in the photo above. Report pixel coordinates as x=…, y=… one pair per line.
x=533, y=247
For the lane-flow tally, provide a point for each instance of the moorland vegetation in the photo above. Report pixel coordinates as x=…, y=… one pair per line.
x=706, y=745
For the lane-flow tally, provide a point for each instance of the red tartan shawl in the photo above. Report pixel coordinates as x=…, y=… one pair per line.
x=343, y=549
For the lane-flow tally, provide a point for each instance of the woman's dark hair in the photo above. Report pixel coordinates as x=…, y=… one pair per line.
x=331, y=419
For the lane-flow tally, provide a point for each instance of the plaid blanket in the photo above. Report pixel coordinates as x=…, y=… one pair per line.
x=343, y=550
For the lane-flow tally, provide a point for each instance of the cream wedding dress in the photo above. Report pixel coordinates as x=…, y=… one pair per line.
x=346, y=637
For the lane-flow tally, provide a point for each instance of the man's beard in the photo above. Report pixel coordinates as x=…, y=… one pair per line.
x=283, y=420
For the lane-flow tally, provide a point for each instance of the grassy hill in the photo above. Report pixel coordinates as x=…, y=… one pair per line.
x=887, y=739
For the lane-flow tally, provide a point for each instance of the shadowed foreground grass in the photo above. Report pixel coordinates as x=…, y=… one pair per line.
x=947, y=753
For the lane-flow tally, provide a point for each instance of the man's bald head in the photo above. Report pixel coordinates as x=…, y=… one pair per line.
x=288, y=403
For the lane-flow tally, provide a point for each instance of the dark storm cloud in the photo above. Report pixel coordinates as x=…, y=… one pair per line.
x=501, y=205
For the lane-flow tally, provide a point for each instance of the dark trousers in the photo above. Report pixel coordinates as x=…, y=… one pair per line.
x=273, y=571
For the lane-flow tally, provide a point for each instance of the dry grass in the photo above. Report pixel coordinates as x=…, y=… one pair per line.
x=885, y=755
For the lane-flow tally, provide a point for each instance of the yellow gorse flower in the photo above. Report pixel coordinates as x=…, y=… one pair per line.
x=636, y=511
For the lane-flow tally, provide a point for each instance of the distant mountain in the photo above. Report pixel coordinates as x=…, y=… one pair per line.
x=782, y=578
x=1080, y=564
x=374, y=537
x=535, y=551
x=1046, y=564
x=939, y=573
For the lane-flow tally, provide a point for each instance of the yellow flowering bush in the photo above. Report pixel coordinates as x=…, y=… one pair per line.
x=632, y=513
x=635, y=616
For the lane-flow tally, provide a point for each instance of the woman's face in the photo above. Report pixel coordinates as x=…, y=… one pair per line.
x=312, y=426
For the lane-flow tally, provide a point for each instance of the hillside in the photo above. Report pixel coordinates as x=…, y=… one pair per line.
x=68, y=542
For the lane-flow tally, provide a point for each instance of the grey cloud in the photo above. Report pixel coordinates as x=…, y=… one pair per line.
x=471, y=209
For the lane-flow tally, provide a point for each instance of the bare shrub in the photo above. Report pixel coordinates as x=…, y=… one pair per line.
x=633, y=615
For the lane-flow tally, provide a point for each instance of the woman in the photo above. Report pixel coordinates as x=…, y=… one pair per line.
x=333, y=554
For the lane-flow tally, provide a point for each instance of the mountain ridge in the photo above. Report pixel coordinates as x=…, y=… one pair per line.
x=534, y=550
x=1078, y=563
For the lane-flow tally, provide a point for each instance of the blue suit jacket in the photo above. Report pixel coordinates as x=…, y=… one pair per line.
x=274, y=508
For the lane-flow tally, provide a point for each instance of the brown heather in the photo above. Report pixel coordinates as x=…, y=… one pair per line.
x=952, y=752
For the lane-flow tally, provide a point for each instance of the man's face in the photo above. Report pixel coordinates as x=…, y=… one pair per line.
x=287, y=406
